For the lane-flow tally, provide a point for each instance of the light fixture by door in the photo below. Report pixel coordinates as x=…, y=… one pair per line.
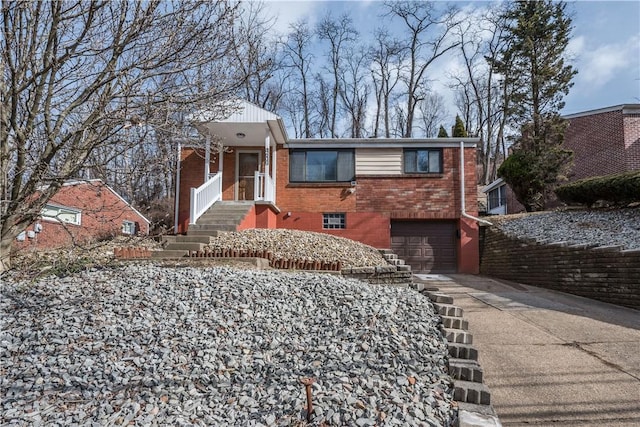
x=240, y=135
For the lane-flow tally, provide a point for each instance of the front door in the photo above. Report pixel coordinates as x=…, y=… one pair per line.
x=248, y=164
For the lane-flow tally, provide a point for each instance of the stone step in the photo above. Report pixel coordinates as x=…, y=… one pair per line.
x=219, y=221
x=390, y=256
x=396, y=261
x=439, y=297
x=185, y=246
x=470, y=392
x=458, y=336
x=169, y=254
x=385, y=251
x=465, y=370
x=404, y=267
x=211, y=227
x=455, y=323
x=471, y=415
x=187, y=239
x=209, y=233
x=448, y=310
x=463, y=351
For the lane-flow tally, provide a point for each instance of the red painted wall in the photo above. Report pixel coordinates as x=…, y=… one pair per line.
x=102, y=215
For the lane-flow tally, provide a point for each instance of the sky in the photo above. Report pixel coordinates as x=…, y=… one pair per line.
x=605, y=46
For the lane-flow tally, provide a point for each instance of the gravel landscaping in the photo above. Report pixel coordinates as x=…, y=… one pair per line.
x=149, y=344
x=619, y=227
x=296, y=244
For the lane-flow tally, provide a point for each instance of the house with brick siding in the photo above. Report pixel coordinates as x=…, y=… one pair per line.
x=605, y=141
x=80, y=212
x=415, y=196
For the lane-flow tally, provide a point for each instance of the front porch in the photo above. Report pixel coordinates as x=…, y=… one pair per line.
x=235, y=163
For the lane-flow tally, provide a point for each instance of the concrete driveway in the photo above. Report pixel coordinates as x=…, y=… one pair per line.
x=551, y=358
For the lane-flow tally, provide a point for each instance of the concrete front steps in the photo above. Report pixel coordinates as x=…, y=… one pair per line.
x=220, y=218
x=471, y=394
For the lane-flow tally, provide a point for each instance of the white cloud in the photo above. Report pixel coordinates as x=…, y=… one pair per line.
x=289, y=12
x=598, y=65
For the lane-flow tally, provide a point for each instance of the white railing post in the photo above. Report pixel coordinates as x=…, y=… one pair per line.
x=204, y=196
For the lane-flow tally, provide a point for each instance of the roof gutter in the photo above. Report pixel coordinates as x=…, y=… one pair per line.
x=462, y=196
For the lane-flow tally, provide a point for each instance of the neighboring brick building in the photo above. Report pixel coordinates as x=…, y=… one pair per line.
x=403, y=194
x=604, y=142
x=81, y=212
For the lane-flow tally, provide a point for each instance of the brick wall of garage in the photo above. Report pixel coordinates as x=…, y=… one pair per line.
x=605, y=274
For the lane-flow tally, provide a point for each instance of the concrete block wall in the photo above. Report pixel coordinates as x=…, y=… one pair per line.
x=607, y=274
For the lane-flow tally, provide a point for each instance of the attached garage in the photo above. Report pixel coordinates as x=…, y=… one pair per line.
x=428, y=246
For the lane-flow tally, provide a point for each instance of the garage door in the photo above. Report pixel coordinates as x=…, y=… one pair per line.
x=428, y=246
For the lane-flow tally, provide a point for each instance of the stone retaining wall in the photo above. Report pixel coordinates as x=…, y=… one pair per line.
x=607, y=274
x=378, y=275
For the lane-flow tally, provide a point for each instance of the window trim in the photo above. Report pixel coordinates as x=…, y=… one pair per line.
x=132, y=223
x=417, y=150
x=351, y=151
x=61, y=209
x=341, y=217
x=501, y=199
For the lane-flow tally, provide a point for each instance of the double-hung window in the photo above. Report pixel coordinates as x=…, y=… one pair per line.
x=319, y=165
x=423, y=160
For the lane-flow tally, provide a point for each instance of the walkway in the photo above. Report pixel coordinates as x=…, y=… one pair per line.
x=551, y=358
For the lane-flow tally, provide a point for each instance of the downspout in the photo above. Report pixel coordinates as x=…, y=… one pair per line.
x=177, y=201
x=462, y=196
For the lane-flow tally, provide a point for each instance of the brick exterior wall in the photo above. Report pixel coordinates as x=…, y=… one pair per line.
x=369, y=206
x=632, y=140
x=102, y=215
x=603, y=143
x=379, y=199
x=607, y=275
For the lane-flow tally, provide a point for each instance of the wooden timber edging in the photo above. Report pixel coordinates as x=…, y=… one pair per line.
x=388, y=274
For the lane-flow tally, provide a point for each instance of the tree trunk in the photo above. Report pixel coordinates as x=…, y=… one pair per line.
x=5, y=252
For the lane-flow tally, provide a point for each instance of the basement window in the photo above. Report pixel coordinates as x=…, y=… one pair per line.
x=332, y=221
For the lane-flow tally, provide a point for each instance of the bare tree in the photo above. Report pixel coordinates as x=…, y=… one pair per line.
x=258, y=56
x=482, y=94
x=386, y=56
x=354, y=89
x=338, y=33
x=75, y=72
x=297, y=50
x=428, y=39
x=432, y=113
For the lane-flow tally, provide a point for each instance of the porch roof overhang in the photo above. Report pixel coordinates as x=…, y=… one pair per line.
x=247, y=125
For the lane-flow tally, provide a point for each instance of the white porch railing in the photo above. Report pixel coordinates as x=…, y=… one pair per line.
x=204, y=196
x=263, y=187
